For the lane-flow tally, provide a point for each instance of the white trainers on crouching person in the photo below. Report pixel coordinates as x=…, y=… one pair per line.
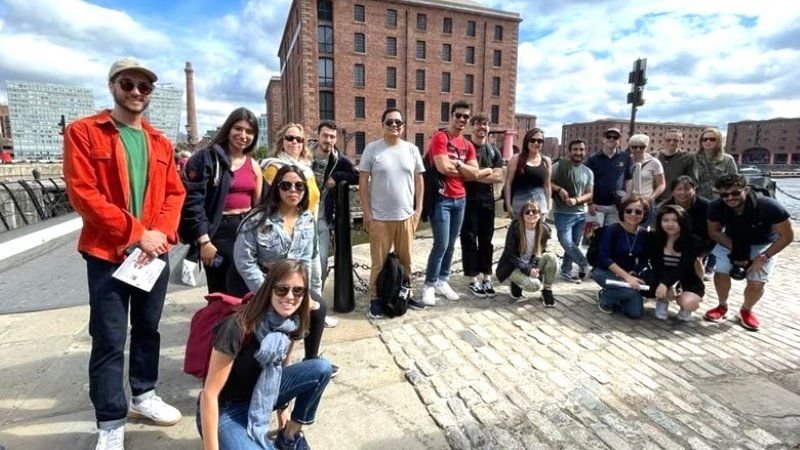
x=150, y=406
x=443, y=288
x=111, y=439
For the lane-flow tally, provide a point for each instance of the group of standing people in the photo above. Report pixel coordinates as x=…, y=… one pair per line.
x=265, y=231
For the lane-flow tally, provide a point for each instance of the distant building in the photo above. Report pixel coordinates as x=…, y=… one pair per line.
x=36, y=110
x=773, y=141
x=275, y=117
x=349, y=60
x=5, y=128
x=164, y=112
x=263, y=130
x=551, y=147
x=592, y=133
x=522, y=124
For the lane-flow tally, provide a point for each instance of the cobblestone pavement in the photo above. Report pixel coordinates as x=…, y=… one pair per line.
x=496, y=374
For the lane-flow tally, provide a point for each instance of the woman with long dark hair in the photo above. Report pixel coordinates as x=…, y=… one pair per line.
x=280, y=227
x=528, y=176
x=248, y=376
x=674, y=253
x=222, y=184
x=525, y=261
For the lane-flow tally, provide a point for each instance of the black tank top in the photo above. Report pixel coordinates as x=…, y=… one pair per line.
x=532, y=177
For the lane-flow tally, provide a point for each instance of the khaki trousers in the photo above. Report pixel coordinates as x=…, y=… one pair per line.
x=383, y=235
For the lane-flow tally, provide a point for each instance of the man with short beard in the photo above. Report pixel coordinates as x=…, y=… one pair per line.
x=121, y=178
x=675, y=161
x=573, y=185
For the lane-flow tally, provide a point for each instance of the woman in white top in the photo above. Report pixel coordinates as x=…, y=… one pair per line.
x=646, y=178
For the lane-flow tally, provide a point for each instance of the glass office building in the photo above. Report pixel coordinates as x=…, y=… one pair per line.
x=164, y=112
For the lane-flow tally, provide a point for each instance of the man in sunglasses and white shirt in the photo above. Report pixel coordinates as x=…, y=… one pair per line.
x=391, y=188
x=121, y=178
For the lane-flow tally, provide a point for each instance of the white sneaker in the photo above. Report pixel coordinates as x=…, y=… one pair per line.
x=428, y=295
x=443, y=288
x=331, y=322
x=155, y=409
x=113, y=439
x=662, y=310
x=684, y=315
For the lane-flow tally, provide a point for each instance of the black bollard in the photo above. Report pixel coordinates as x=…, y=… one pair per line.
x=343, y=298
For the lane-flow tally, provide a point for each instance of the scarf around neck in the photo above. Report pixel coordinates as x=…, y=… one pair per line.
x=273, y=336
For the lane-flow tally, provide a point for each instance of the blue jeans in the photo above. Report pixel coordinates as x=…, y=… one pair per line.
x=109, y=303
x=447, y=215
x=569, y=228
x=622, y=299
x=304, y=381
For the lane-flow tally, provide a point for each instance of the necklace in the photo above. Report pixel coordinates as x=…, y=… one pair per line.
x=631, y=245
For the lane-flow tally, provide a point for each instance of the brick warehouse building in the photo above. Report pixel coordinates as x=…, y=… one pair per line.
x=347, y=60
x=774, y=141
x=592, y=133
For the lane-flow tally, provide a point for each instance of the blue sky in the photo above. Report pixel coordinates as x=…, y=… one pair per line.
x=709, y=61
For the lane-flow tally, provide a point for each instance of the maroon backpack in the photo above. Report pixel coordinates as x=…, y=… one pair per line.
x=201, y=331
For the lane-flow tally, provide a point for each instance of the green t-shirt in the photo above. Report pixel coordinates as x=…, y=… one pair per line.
x=136, y=153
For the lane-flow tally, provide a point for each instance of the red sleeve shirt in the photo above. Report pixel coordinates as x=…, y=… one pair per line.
x=456, y=149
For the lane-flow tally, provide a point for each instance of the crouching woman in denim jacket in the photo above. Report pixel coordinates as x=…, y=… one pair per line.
x=524, y=261
x=279, y=228
x=248, y=376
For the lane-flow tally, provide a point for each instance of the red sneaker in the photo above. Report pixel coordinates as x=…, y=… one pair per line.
x=717, y=314
x=748, y=319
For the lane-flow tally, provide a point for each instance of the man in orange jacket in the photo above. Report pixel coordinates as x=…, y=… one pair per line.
x=121, y=178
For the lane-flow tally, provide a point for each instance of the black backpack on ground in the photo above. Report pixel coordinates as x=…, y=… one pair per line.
x=593, y=252
x=394, y=287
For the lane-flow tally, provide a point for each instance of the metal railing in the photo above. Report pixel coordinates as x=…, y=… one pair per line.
x=23, y=202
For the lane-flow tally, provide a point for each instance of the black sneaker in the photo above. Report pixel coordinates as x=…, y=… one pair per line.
x=416, y=304
x=476, y=287
x=569, y=277
x=375, y=310
x=488, y=287
x=600, y=305
x=582, y=272
x=547, y=298
x=516, y=292
x=298, y=443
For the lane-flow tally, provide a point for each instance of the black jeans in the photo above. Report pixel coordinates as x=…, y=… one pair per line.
x=223, y=239
x=109, y=303
x=476, y=237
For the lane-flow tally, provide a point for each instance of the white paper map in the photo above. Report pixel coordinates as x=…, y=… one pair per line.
x=137, y=275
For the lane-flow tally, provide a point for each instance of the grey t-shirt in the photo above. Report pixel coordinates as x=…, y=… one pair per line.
x=392, y=170
x=584, y=177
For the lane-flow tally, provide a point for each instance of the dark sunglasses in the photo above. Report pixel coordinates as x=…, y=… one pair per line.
x=143, y=87
x=393, y=123
x=531, y=212
x=460, y=116
x=283, y=290
x=638, y=147
x=636, y=212
x=709, y=139
x=297, y=139
x=612, y=137
x=730, y=194
x=287, y=186
x=537, y=141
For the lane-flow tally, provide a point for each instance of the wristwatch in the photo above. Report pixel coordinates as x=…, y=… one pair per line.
x=458, y=165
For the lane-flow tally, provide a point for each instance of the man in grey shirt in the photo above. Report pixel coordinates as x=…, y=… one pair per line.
x=572, y=183
x=676, y=162
x=391, y=188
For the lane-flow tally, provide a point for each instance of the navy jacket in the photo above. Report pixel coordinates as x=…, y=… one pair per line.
x=207, y=178
x=511, y=259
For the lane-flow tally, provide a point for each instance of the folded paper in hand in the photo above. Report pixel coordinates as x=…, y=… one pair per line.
x=642, y=287
x=138, y=275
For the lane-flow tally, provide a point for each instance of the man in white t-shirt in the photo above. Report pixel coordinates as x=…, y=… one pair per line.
x=391, y=188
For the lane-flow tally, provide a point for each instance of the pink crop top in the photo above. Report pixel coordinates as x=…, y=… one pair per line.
x=243, y=187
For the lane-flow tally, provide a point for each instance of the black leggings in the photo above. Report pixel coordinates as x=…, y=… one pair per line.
x=223, y=239
x=238, y=288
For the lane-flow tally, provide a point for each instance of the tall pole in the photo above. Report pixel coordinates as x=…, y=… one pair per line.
x=191, y=109
x=637, y=78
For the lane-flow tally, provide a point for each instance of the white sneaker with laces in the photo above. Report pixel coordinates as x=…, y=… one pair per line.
x=684, y=315
x=443, y=288
x=662, y=310
x=113, y=439
x=331, y=322
x=155, y=409
x=428, y=295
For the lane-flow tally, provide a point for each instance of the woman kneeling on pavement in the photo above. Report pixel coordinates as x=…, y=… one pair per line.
x=525, y=261
x=674, y=256
x=248, y=376
x=622, y=258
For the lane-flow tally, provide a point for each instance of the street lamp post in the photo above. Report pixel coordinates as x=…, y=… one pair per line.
x=637, y=78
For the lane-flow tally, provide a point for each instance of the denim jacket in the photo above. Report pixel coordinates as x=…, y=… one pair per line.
x=258, y=246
